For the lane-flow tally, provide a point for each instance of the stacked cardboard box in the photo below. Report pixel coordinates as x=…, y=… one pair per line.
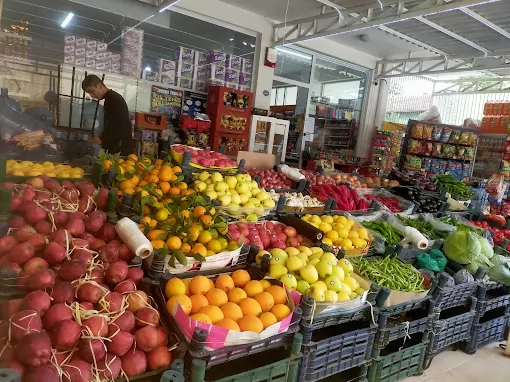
x=89, y=53
x=166, y=69
x=131, y=52
x=185, y=67
x=245, y=75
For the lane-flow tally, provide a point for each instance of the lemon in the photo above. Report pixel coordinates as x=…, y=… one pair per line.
x=64, y=174
x=33, y=172
x=342, y=220
x=307, y=217
x=162, y=215
x=50, y=174
x=346, y=244
x=363, y=233
x=327, y=219
x=325, y=227
x=15, y=166
x=358, y=243
x=327, y=241
x=332, y=235
x=316, y=220
x=349, y=222
x=335, y=218
x=343, y=233
x=353, y=284
x=353, y=235
x=26, y=163
x=338, y=226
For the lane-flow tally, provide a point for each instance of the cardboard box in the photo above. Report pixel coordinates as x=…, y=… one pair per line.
x=200, y=59
x=200, y=86
x=102, y=46
x=184, y=54
x=103, y=55
x=69, y=59
x=90, y=63
x=185, y=83
x=245, y=79
x=246, y=65
x=185, y=70
x=150, y=76
x=167, y=78
x=233, y=62
x=215, y=83
x=216, y=57
x=103, y=64
x=211, y=72
x=69, y=39
x=115, y=66
x=132, y=35
x=232, y=85
x=166, y=65
x=232, y=76
x=81, y=42
x=115, y=57
x=80, y=52
x=92, y=45
x=69, y=49
x=80, y=61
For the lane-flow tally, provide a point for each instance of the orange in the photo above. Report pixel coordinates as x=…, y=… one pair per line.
x=173, y=243
x=162, y=215
x=165, y=173
x=232, y=311
x=135, y=180
x=185, y=213
x=250, y=306
x=193, y=233
x=128, y=191
x=225, y=283
x=173, y=178
x=199, y=285
x=265, y=300
x=253, y=288
x=214, y=313
x=125, y=184
x=158, y=192
x=204, y=237
x=143, y=183
x=268, y=319
x=211, y=284
x=107, y=164
x=186, y=283
x=279, y=294
x=199, y=211
x=183, y=300
x=174, y=191
x=229, y=324
x=158, y=162
x=199, y=249
x=265, y=283
x=146, y=220
x=198, y=301
x=146, y=161
x=222, y=228
x=133, y=157
x=236, y=295
x=154, y=172
x=157, y=244
x=153, y=223
x=214, y=246
x=185, y=248
x=212, y=211
x=174, y=287
x=177, y=169
x=165, y=187
x=250, y=323
x=280, y=311
x=216, y=297
x=152, y=179
x=207, y=220
x=202, y=317
x=241, y=278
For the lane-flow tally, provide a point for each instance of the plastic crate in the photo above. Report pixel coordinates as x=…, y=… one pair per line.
x=9, y=375
x=488, y=331
x=336, y=348
x=356, y=374
x=276, y=365
x=490, y=299
x=449, y=297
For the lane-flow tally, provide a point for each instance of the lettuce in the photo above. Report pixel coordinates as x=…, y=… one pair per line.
x=462, y=247
x=500, y=273
x=486, y=247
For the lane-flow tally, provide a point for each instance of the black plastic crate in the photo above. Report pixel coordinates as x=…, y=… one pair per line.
x=490, y=329
x=337, y=348
x=490, y=299
x=449, y=297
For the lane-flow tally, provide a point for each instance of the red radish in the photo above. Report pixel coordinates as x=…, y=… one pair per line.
x=159, y=357
x=53, y=185
x=93, y=225
x=62, y=237
x=43, y=227
x=107, y=232
x=40, y=280
x=147, y=316
x=34, y=349
x=27, y=193
x=65, y=335
x=35, y=214
x=87, y=305
x=38, y=241
x=125, y=286
x=116, y=272
x=8, y=352
x=120, y=343
x=136, y=301
x=12, y=266
x=125, y=322
x=23, y=233
x=17, y=222
x=147, y=338
x=162, y=336
x=38, y=301
x=8, y=185
x=77, y=215
x=108, y=253
x=102, y=199
x=21, y=253
x=134, y=362
x=6, y=243
x=35, y=264
x=83, y=255
x=96, y=326
x=100, y=215
x=76, y=227
x=15, y=365
x=55, y=315
x=87, y=236
x=71, y=270
x=113, y=302
x=80, y=243
x=25, y=322
x=86, y=205
x=97, y=275
x=109, y=367
x=36, y=183
x=42, y=195
x=86, y=188
x=71, y=195
x=8, y=308
x=95, y=244
x=15, y=203
x=77, y=370
x=54, y=253
x=46, y=373
x=60, y=218
x=115, y=242
x=135, y=274
x=63, y=292
x=68, y=184
x=88, y=349
x=125, y=253
x=89, y=292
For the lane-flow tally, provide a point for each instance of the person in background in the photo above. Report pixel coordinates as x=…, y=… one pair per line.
x=117, y=134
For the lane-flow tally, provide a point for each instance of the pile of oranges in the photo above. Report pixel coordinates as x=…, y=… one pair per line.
x=234, y=302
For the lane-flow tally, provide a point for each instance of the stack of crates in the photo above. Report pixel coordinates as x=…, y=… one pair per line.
x=401, y=340
x=491, y=318
x=337, y=345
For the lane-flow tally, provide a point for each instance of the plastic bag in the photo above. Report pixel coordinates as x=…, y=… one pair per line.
x=462, y=220
x=290, y=173
x=433, y=261
x=432, y=115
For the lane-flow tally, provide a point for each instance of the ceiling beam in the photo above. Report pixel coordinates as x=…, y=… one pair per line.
x=486, y=22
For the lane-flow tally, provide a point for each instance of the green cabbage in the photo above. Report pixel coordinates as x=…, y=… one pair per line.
x=462, y=247
x=473, y=267
x=486, y=247
x=500, y=273
x=500, y=259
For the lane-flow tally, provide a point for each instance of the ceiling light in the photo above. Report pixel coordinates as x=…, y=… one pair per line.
x=148, y=69
x=253, y=46
x=231, y=39
x=167, y=4
x=283, y=50
x=245, y=43
x=67, y=20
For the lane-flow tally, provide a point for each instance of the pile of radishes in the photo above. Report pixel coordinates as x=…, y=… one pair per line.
x=83, y=318
x=270, y=178
x=266, y=235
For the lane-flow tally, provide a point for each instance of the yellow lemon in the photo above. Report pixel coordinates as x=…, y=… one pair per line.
x=325, y=227
x=342, y=220
x=17, y=173
x=332, y=235
x=346, y=244
x=353, y=235
x=327, y=241
x=363, y=233
x=338, y=226
x=327, y=219
x=358, y=243
x=162, y=215
x=316, y=220
x=343, y=233
x=349, y=222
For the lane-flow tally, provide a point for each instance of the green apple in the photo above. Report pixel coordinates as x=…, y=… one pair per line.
x=213, y=195
x=252, y=218
x=353, y=295
x=242, y=188
x=328, y=256
x=302, y=286
x=346, y=288
x=240, y=178
x=200, y=186
x=236, y=199
x=216, y=177
x=303, y=258
x=360, y=291
x=309, y=274
x=315, y=256
x=262, y=195
x=331, y=296
x=342, y=296
x=248, y=205
x=221, y=187
x=209, y=182
x=225, y=200
x=278, y=259
x=233, y=192
x=346, y=266
x=320, y=284
x=203, y=176
x=233, y=208
x=276, y=271
x=316, y=250
x=289, y=280
x=291, y=251
x=269, y=203
x=258, y=211
x=260, y=255
x=231, y=181
x=255, y=202
x=339, y=272
x=324, y=268
x=294, y=263
x=334, y=283
x=244, y=198
x=317, y=294
x=220, y=193
x=306, y=250
x=313, y=262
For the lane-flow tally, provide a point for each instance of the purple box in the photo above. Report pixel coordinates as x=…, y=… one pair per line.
x=200, y=86
x=233, y=62
x=215, y=83
x=185, y=83
x=115, y=71
x=115, y=57
x=81, y=42
x=165, y=65
x=102, y=46
x=246, y=65
x=200, y=59
x=150, y=76
x=90, y=53
x=184, y=54
x=70, y=39
x=185, y=69
x=116, y=66
x=101, y=65
x=69, y=49
x=167, y=78
x=232, y=76
x=245, y=79
x=69, y=59
x=92, y=45
x=103, y=55
x=131, y=60
x=132, y=35
x=232, y=85
x=211, y=72
x=216, y=57
x=80, y=52
x=245, y=88
x=90, y=63
x=80, y=61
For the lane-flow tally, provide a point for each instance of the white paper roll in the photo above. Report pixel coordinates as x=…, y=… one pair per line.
x=130, y=234
x=412, y=235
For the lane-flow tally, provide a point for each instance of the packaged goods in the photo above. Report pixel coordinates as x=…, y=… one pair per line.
x=245, y=79
x=232, y=76
x=436, y=133
x=445, y=135
x=167, y=78
x=246, y=65
x=165, y=65
x=200, y=59
x=417, y=131
x=216, y=57
x=185, y=83
x=185, y=69
x=427, y=132
x=233, y=62
x=454, y=136
x=184, y=54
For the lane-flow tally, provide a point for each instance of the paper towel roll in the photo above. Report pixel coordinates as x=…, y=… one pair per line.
x=130, y=234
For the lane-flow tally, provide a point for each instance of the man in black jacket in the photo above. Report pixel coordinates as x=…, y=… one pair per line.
x=117, y=134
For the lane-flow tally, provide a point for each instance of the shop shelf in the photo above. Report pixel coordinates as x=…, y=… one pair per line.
x=490, y=299
x=490, y=329
x=276, y=365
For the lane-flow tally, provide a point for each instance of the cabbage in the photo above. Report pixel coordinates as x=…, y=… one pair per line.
x=500, y=273
x=473, y=267
x=486, y=247
x=462, y=247
x=500, y=259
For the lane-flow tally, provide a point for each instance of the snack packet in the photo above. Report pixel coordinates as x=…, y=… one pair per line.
x=448, y=151
x=454, y=136
x=470, y=153
x=437, y=149
x=434, y=166
x=417, y=131
x=436, y=133
x=426, y=164
x=473, y=138
x=464, y=137
x=466, y=170
x=414, y=146
x=426, y=148
x=445, y=135
x=443, y=164
x=461, y=152
x=427, y=132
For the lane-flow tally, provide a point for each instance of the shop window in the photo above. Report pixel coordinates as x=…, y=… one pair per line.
x=293, y=65
x=281, y=96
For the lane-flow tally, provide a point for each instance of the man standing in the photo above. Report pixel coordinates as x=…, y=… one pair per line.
x=117, y=134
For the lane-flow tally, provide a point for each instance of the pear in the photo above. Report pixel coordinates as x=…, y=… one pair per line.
x=317, y=294
x=303, y=258
x=324, y=268
x=331, y=296
x=291, y=251
x=277, y=271
x=309, y=274
x=289, y=280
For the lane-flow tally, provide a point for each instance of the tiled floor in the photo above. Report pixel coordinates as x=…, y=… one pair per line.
x=486, y=365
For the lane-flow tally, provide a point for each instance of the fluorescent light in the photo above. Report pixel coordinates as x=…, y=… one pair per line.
x=167, y=4
x=231, y=39
x=148, y=69
x=253, y=46
x=283, y=50
x=67, y=20
x=245, y=43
